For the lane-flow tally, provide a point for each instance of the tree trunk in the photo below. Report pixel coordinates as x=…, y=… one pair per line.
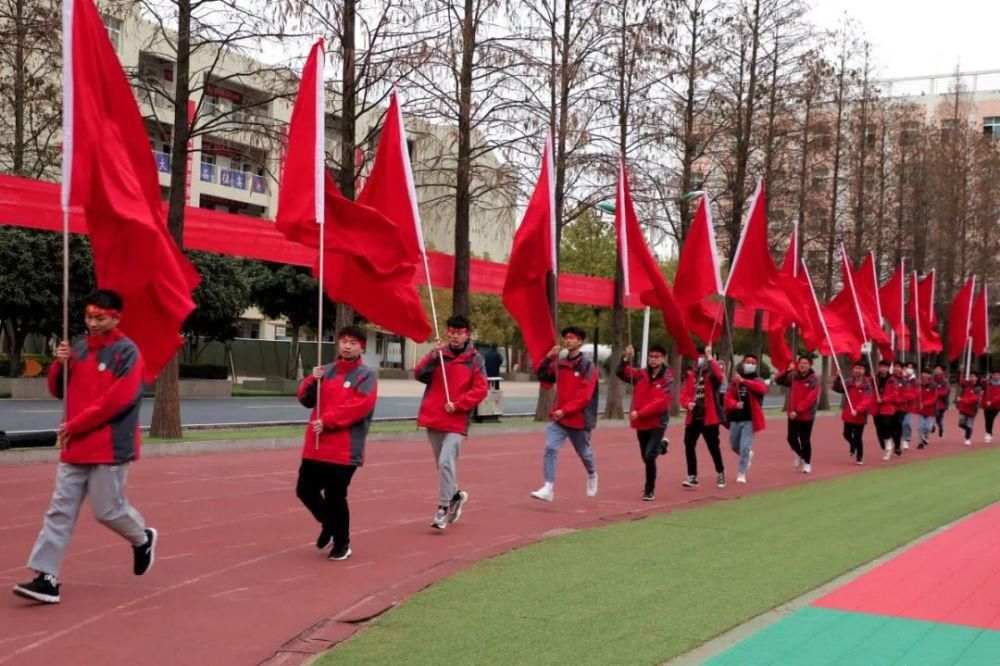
x=613, y=408
x=463, y=175
x=19, y=87
x=292, y=363
x=167, y=407
x=15, y=339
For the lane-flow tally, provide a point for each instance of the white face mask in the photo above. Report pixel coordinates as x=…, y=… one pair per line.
x=909, y=372
x=749, y=368
x=701, y=362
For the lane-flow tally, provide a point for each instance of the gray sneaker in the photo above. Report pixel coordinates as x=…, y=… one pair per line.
x=455, y=506
x=440, y=521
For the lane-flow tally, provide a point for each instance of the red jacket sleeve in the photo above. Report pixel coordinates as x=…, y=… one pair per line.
x=307, y=392
x=729, y=399
x=687, y=391
x=546, y=374
x=55, y=380
x=424, y=370
x=125, y=390
x=627, y=373
x=583, y=395
x=358, y=404
x=756, y=386
x=659, y=403
x=807, y=401
x=476, y=393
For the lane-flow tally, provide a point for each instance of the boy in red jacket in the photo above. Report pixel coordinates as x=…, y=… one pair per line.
x=885, y=410
x=968, y=404
x=334, y=445
x=943, y=390
x=802, y=402
x=744, y=403
x=927, y=403
x=910, y=388
x=701, y=398
x=98, y=441
x=854, y=413
x=574, y=413
x=451, y=395
x=650, y=408
x=991, y=403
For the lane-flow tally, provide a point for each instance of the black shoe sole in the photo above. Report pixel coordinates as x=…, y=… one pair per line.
x=153, y=537
x=35, y=596
x=340, y=559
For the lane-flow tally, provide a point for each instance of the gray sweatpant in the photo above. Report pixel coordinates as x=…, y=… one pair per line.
x=105, y=484
x=445, y=446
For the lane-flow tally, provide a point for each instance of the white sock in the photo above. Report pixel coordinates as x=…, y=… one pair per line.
x=549, y=486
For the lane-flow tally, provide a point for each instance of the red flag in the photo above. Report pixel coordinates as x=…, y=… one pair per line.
x=532, y=257
x=641, y=273
x=781, y=355
x=867, y=289
x=753, y=277
x=980, y=323
x=697, y=276
x=892, y=298
x=960, y=319
x=921, y=312
x=843, y=316
x=366, y=261
x=109, y=171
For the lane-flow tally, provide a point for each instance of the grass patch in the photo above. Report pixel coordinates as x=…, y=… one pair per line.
x=645, y=591
x=240, y=392
x=296, y=431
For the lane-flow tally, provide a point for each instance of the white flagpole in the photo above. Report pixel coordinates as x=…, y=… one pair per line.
x=645, y=335
x=916, y=314
x=857, y=310
x=968, y=329
x=826, y=332
x=411, y=191
x=67, y=176
x=319, y=181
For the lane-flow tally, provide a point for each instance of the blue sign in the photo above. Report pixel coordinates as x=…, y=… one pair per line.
x=240, y=180
x=226, y=177
x=162, y=162
x=207, y=172
x=259, y=186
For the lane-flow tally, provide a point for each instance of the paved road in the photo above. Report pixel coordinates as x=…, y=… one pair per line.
x=18, y=415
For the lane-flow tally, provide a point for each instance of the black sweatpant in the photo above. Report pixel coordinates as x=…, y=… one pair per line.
x=897, y=431
x=939, y=419
x=322, y=487
x=990, y=415
x=853, y=433
x=711, y=434
x=649, y=449
x=885, y=425
x=800, y=439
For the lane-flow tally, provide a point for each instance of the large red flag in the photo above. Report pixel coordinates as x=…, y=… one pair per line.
x=366, y=261
x=697, y=276
x=980, y=323
x=867, y=290
x=532, y=257
x=892, y=298
x=109, y=171
x=753, y=278
x=781, y=354
x=960, y=319
x=921, y=312
x=843, y=316
x=641, y=273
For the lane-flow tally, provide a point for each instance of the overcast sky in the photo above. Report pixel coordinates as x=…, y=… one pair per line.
x=915, y=37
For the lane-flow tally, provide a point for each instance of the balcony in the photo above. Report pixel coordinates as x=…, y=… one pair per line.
x=233, y=178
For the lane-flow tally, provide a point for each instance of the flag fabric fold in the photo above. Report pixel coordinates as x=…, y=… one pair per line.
x=697, y=277
x=867, y=288
x=892, y=298
x=960, y=319
x=532, y=257
x=368, y=261
x=921, y=312
x=980, y=323
x=109, y=172
x=641, y=272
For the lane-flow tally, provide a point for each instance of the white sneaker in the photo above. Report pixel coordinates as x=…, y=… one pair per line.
x=906, y=444
x=592, y=485
x=749, y=462
x=968, y=442
x=988, y=439
x=741, y=478
x=888, y=450
x=797, y=462
x=546, y=493
x=859, y=462
x=807, y=468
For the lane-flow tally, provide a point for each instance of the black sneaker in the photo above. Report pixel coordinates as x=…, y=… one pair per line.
x=44, y=589
x=921, y=445
x=721, y=480
x=143, y=556
x=456, y=504
x=340, y=553
x=648, y=496
x=690, y=482
x=664, y=445
x=324, y=538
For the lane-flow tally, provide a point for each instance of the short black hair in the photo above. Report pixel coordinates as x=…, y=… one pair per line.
x=884, y=362
x=938, y=365
x=659, y=349
x=860, y=364
x=458, y=321
x=573, y=330
x=753, y=356
x=910, y=364
x=105, y=298
x=806, y=357
x=701, y=349
x=895, y=363
x=355, y=332
x=974, y=372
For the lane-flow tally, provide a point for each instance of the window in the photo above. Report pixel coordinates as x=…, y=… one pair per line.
x=991, y=126
x=820, y=177
x=410, y=146
x=114, y=27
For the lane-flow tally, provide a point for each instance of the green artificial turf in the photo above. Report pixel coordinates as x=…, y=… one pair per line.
x=645, y=591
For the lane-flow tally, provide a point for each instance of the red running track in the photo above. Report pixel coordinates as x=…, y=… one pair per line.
x=238, y=579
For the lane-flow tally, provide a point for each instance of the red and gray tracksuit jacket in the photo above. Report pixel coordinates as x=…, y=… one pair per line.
x=466, y=373
x=991, y=397
x=860, y=392
x=703, y=384
x=756, y=389
x=969, y=398
x=888, y=395
x=347, y=401
x=105, y=392
x=928, y=400
x=650, y=395
x=909, y=394
x=576, y=390
x=804, y=394
x=943, y=390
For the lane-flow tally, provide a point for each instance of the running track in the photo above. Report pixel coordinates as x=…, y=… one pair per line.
x=238, y=580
